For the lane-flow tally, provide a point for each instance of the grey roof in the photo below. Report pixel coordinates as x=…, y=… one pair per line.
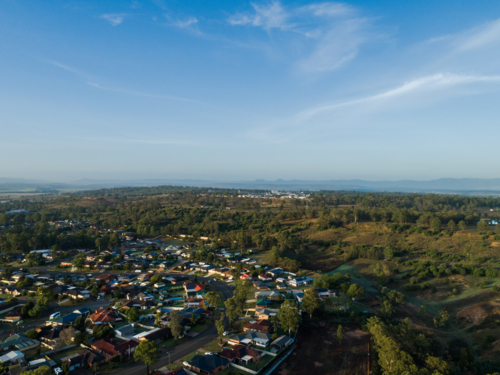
x=19, y=340
x=208, y=363
x=280, y=341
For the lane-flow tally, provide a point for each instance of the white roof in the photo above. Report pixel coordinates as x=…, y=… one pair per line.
x=142, y=334
x=38, y=361
x=11, y=356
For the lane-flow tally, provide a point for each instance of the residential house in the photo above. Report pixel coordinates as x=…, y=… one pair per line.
x=259, y=285
x=195, y=302
x=208, y=364
x=281, y=342
x=262, y=325
x=84, y=358
x=66, y=263
x=300, y=281
x=241, y=354
x=20, y=342
x=13, y=291
x=272, y=295
x=12, y=357
x=265, y=278
x=125, y=331
x=325, y=293
x=14, y=315
x=109, y=347
x=194, y=289
x=145, y=297
x=138, y=304
x=157, y=335
x=191, y=311
x=106, y=278
x=275, y=272
x=49, y=336
x=262, y=303
x=265, y=313
x=251, y=337
x=103, y=316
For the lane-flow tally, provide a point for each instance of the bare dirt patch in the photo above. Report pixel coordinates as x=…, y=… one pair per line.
x=473, y=314
x=319, y=346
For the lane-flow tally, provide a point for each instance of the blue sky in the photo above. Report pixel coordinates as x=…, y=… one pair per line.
x=234, y=90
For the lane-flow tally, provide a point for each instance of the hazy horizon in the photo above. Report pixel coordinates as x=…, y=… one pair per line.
x=231, y=91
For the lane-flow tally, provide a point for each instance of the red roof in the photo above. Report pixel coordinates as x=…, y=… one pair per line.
x=103, y=316
x=110, y=347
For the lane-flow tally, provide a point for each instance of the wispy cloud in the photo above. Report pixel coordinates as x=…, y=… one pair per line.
x=434, y=82
x=266, y=16
x=185, y=23
x=320, y=37
x=114, y=18
x=479, y=37
x=91, y=82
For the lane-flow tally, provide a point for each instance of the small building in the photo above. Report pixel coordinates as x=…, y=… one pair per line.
x=241, y=354
x=262, y=325
x=125, y=331
x=281, y=342
x=109, y=347
x=208, y=364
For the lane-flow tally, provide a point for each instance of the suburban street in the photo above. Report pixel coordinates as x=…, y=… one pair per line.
x=172, y=354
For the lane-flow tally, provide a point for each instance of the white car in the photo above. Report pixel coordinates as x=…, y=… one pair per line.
x=226, y=333
x=209, y=353
x=186, y=364
x=58, y=371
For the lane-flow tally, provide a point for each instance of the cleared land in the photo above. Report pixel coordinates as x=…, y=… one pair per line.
x=319, y=352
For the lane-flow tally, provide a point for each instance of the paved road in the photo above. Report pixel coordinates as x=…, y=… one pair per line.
x=185, y=348
x=177, y=352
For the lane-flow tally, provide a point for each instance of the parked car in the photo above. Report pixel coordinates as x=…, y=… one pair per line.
x=186, y=364
x=58, y=371
x=209, y=353
x=226, y=333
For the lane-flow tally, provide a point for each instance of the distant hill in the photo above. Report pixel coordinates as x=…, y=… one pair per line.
x=449, y=185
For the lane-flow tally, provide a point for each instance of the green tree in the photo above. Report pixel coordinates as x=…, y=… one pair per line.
x=483, y=226
x=340, y=334
x=355, y=291
x=436, y=225
x=148, y=353
x=213, y=299
x=94, y=292
x=79, y=260
x=220, y=326
x=462, y=225
x=451, y=225
x=175, y=325
x=233, y=309
x=65, y=368
x=310, y=302
x=386, y=308
x=156, y=279
x=289, y=316
x=132, y=315
x=193, y=321
x=441, y=318
x=43, y=370
x=437, y=365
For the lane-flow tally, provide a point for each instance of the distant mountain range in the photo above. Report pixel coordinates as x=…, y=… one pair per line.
x=449, y=185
